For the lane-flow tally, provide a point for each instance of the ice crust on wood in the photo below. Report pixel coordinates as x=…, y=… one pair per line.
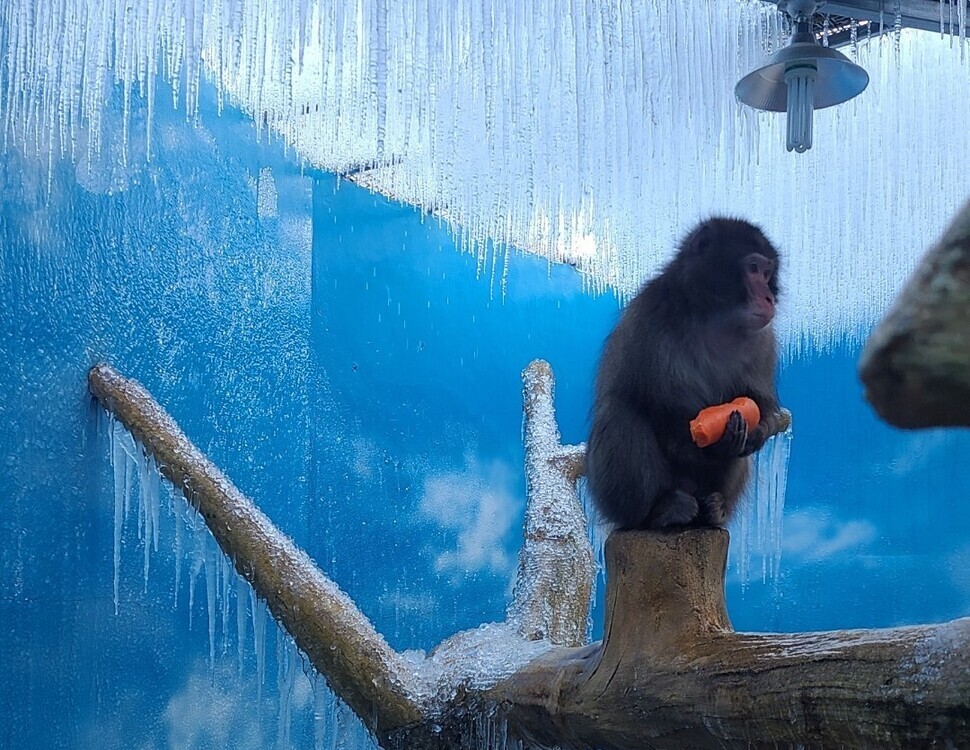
x=554, y=585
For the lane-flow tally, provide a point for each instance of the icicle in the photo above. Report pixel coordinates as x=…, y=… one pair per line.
x=334, y=724
x=155, y=500
x=380, y=75
x=241, y=613
x=542, y=126
x=898, y=27
x=148, y=507
x=962, y=21
x=227, y=574
x=322, y=707
x=597, y=529
x=130, y=467
x=193, y=53
x=762, y=510
x=179, y=547
x=119, y=463
x=781, y=453
x=287, y=660
x=143, y=529
x=211, y=562
x=198, y=558
x=258, y=607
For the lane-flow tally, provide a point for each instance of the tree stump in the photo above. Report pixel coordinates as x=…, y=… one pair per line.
x=671, y=673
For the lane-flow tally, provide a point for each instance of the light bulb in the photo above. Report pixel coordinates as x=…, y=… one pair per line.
x=800, y=79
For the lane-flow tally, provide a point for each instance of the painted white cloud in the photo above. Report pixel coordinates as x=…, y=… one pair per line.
x=812, y=536
x=215, y=708
x=421, y=604
x=916, y=450
x=208, y=712
x=479, y=505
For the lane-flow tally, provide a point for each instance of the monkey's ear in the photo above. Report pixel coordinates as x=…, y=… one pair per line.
x=703, y=239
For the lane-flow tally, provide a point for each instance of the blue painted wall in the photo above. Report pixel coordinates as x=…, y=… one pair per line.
x=358, y=376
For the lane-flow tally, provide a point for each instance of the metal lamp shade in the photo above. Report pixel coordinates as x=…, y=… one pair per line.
x=838, y=78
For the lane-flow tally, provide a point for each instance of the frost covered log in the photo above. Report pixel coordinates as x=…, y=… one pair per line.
x=670, y=672
x=556, y=569
x=916, y=364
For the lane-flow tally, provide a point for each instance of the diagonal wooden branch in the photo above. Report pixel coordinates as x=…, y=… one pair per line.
x=325, y=623
x=391, y=696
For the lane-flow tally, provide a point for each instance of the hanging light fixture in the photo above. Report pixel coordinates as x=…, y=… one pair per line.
x=802, y=77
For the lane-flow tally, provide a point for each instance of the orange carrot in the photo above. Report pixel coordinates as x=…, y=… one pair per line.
x=709, y=425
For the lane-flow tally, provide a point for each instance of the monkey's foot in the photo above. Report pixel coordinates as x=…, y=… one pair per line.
x=676, y=509
x=713, y=510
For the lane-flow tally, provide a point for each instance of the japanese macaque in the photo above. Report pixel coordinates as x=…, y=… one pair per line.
x=697, y=335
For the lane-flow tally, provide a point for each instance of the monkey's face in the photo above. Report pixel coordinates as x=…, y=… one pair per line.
x=758, y=275
x=728, y=270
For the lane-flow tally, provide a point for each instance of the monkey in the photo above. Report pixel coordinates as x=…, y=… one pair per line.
x=697, y=334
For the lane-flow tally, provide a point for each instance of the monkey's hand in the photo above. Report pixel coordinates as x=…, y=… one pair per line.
x=733, y=442
x=756, y=438
x=760, y=434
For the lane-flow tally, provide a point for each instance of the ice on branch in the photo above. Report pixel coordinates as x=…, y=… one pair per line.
x=555, y=581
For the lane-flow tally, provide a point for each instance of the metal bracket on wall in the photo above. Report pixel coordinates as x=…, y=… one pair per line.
x=941, y=16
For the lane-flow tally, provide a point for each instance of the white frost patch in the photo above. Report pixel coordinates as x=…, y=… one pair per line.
x=830, y=643
x=811, y=537
x=937, y=651
x=473, y=659
x=480, y=506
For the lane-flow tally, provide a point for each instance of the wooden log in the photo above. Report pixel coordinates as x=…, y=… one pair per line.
x=916, y=364
x=670, y=672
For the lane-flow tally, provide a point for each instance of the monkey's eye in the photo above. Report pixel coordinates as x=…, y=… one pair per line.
x=753, y=267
